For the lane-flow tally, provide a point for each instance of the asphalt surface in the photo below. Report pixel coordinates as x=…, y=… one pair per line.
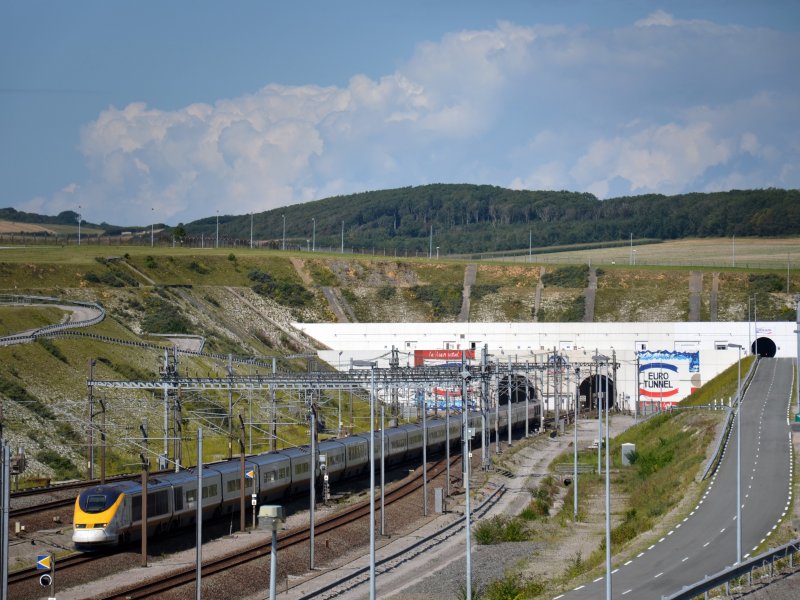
x=705, y=542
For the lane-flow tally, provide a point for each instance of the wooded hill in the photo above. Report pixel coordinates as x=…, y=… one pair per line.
x=481, y=218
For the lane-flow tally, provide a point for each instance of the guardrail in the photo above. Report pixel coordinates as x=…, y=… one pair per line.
x=49, y=329
x=714, y=459
x=724, y=577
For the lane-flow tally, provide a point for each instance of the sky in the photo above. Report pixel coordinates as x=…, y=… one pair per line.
x=140, y=112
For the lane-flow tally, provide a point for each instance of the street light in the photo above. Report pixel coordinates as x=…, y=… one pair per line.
x=274, y=515
x=79, y=224
x=251, y=231
x=371, y=364
x=217, y=245
x=600, y=358
x=437, y=252
x=283, y=243
x=738, y=455
x=314, y=234
x=152, y=216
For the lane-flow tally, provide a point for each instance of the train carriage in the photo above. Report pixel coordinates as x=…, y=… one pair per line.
x=274, y=475
x=396, y=440
x=356, y=453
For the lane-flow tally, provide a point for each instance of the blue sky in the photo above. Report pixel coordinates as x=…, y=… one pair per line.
x=171, y=111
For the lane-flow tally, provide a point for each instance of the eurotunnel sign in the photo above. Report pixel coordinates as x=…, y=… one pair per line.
x=665, y=377
x=420, y=356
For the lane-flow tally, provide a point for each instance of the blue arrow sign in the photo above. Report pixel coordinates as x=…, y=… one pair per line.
x=43, y=562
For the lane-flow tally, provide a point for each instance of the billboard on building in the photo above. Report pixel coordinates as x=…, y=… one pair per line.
x=666, y=376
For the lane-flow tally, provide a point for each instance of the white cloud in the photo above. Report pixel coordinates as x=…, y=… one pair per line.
x=654, y=107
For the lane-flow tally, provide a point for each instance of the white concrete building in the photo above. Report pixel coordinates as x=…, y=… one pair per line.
x=673, y=358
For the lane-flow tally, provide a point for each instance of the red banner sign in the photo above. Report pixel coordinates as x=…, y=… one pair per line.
x=420, y=356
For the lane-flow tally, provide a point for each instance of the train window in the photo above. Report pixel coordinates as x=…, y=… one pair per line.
x=269, y=476
x=210, y=491
x=178, y=498
x=234, y=485
x=191, y=495
x=136, y=508
x=301, y=468
x=284, y=474
x=157, y=503
x=97, y=500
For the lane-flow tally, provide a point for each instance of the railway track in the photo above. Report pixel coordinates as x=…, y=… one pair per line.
x=296, y=536
x=291, y=538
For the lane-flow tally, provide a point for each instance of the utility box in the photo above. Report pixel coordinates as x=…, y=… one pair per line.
x=627, y=450
x=438, y=501
x=272, y=511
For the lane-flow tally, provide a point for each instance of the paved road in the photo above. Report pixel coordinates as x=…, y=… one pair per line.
x=705, y=542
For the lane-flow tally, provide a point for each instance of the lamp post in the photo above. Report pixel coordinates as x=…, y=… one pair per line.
x=283, y=242
x=79, y=224
x=342, y=237
x=251, y=231
x=313, y=234
x=437, y=252
x=152, y=216
x=371, y=365
x=217, y=244
x=575, y=445
x=738, y=456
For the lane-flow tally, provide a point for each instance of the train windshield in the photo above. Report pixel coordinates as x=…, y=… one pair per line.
x=98, y=499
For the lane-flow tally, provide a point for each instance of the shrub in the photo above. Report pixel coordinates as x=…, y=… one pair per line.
x=150, y=262
x=444, y=299
x=386, y=293
x=282, y=291
x=500, y=529
x=63, y=467
x=574, y=276
x=161, y=316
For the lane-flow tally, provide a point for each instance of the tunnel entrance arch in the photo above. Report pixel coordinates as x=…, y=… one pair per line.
x=517, y=389
x=764, y=347
x=592, y=387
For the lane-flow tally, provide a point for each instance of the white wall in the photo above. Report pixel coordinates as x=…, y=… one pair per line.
x=531, y=341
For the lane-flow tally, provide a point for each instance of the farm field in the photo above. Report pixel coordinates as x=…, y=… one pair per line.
x=744, y=253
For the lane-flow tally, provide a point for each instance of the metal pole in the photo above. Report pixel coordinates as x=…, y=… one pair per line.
x=797, y=359
x=509, y=402
x=372, y=484
x=251, y=231
x=485, y=455
x=199, y=516
x=599, y=421
x=313, y=492
x=103, y=444
x=91, y=421
x=575, y=445
x=608, y=496
x=527, y=397
x=4, y=525
x=164, y=375
x=217, y=243
x=465, y=461
x=497, y=413
x=447, y=439
x=424, y=458
x=342, y=237
x=314, y=234
x=144, y=510
x=739, y=459
x=383, y=478
x=273, y=561
x=283, y=242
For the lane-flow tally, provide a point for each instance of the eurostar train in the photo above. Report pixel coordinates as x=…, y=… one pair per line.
x=112, y=513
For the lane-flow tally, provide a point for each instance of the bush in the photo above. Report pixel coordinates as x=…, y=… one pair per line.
x=63, y=467
x=500, y=529
x=284, y=292
x=150, y=262
x=161, y=316
x=386, y=293
x=444, y=299
x=567, y=277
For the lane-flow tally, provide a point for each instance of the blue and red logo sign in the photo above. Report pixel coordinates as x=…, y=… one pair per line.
x=658, y=380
